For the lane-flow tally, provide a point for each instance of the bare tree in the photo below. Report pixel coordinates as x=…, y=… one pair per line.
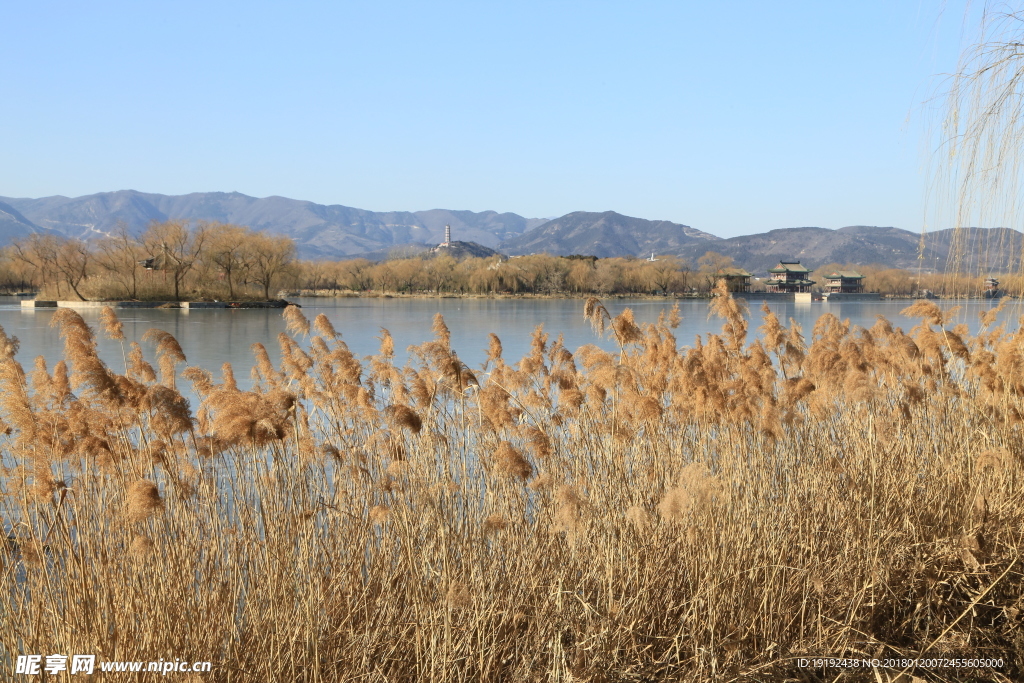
x=269, y=258
x=119, y=255
x=73, y=262
x=314, y=275
x=440, y=272
x=407, y=273
x=227, y=251
x=17, y=275
x=39, y=254
x=666, y=274
x=581, y=275
x=355, y=274
x=384, y=275
x=175, y=249
x=711, y=264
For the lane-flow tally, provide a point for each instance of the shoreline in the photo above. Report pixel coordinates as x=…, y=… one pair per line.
x=352, y=294
x=184, y=305
x=749, y=297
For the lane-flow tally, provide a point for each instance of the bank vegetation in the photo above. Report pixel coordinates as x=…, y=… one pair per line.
x=177, y=260
x=171, y=261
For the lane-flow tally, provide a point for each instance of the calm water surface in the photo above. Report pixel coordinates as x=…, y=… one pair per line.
x=211, y=337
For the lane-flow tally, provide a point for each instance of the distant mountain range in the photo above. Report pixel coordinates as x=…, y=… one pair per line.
x=319, y=231
x=322, y=231
x=997, y=249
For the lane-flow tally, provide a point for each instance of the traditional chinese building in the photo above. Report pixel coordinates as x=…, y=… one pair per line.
x=789, y=277
x=736, y=279
x=992, y=288
x=844, y=282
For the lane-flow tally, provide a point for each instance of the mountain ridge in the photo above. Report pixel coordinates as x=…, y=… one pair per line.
x=13, y=225
x=319, y=230
x=335, y=231
x=996, y=249
x=605, y=234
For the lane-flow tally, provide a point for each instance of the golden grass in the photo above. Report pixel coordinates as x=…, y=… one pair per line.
x=663, y=513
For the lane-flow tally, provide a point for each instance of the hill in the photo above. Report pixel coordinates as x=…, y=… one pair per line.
x=13, y=225
x=320, y=231
x=335, y=231
x=606, y=234
x=816, y=246
x=979, y=248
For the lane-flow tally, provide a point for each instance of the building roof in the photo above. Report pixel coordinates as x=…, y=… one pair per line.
x=789, y=267
x=845, y=275
x=733, y=272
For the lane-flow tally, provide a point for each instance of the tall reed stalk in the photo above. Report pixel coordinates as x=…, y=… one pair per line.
x=711, y=512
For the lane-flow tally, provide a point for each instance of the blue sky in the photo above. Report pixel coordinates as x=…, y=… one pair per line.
x=731, y=117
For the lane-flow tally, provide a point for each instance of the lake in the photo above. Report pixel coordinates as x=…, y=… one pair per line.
x=213, y=336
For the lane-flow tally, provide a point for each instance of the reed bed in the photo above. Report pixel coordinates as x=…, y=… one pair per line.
x=710, y=512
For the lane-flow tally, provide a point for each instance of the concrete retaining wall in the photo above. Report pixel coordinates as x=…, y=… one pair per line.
x=154, y=304
x=114, y=304
x=758, y=297
x=862, y=296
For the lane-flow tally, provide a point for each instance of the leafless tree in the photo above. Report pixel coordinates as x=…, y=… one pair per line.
x=119, y=256
x=270, y=258
x=175, y=249
x=39, y=253
x=227, y=251
x=74, y=259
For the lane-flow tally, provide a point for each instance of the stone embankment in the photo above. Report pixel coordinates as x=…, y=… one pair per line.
x=189, y=305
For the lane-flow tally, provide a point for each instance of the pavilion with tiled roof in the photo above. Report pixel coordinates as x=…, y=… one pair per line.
x=789, y=277
x=736, y=279
x=844, y=282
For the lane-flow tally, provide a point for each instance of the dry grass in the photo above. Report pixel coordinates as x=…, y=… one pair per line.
x=663, y=513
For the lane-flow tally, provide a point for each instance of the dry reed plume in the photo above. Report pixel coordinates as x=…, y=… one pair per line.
x=711, y=512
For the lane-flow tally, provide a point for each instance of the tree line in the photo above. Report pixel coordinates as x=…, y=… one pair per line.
x=578, y=275
x=173, y=260
x=178, y=260
x=534, y=274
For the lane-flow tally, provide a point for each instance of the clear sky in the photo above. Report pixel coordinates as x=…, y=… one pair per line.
x=731, y=117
